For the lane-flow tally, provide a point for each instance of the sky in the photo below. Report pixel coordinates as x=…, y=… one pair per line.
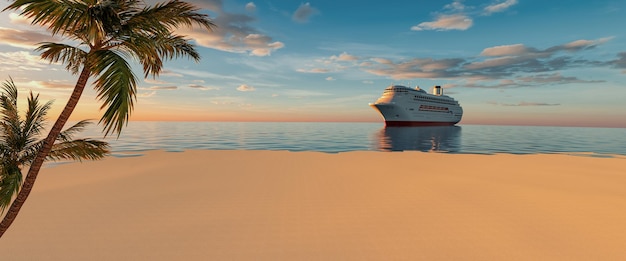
x=508, y=62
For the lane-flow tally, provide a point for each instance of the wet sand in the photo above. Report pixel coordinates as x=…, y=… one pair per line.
x=277, y=205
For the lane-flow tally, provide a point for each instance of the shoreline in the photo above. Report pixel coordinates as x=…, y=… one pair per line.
x=140, y=153
x=368, y=205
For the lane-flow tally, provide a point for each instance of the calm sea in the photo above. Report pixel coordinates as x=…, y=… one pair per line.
x=340, y=137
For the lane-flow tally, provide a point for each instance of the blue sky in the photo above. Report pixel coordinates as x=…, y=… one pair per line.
x=523, y=62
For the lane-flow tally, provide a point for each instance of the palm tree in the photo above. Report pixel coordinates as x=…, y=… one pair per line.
x=19, y=143
x=107, y=32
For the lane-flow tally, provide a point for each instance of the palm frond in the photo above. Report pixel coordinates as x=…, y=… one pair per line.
x=165, y=16
x=35, y=117
x=8, y=102
x=10, y=90
x=72, y=57
x=60, y=16
x=68, y=133
x=82, y=149
x=10, y=184
x=116, y=87
x=10, y=123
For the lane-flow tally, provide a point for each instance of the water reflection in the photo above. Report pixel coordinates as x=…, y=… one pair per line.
x=440, y=138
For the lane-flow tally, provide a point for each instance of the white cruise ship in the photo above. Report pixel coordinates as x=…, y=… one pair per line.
x=404, y=106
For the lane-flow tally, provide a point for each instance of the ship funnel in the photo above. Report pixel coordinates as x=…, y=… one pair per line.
x=437, y=90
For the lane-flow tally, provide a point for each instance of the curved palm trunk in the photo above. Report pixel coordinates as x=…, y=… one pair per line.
x=33, y=171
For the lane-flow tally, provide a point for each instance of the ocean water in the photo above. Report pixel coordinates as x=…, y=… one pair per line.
x=342, y=137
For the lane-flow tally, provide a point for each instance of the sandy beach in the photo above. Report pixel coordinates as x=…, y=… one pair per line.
x=278, y=205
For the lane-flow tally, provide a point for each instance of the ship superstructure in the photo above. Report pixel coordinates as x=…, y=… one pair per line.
x=404, y=106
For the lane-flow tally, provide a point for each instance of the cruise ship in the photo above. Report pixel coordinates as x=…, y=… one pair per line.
x=404, y=106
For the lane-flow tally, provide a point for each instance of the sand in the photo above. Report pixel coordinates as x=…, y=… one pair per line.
x=277, y=205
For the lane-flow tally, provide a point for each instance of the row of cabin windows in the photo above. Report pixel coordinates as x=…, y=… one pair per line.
x=433, y=99
x=415, y=97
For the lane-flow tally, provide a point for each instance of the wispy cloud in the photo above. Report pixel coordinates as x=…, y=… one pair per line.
x=54, y=84
x=21, y=61
x=156, y=88
x=246, y=88
x=314, y=70
x=445, y=23
x=202, y=87
x=304, y=13
x=620, y=62
x=498, y=62
x=416, y=68
x=233, y=32
x=297, y=93
x=250, y=7
x=499, y=7
x=154, y=81
x=527, y=104
x=344, y=57
x=334, y=63
x=23, y=38
x=146, y=94
x=457, y=16
x=500, y=66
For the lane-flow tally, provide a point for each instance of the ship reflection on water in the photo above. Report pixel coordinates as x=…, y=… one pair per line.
x=433, y=139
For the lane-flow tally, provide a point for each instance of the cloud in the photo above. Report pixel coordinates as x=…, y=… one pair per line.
x=550, y=78
x=18, y=19
x=529, y=81
x=329, y=78
x=202, y=87
x=21, y=61
x=457, y=5
x=54, y=84
x=245, y=88
x=233, y=33
x=295, y=93
x=446, y=23
x=620, y=62
x=499, y=7
x=154, y=81
x=146, y=94
x=23, y=39
x=415, y=68
x=155, y=88
x=581, y=44
x=314, y=70
x=170, y=73
x=528, y=104
x=457, y=16
x=500, y=66
x=344, y=57
x=334, y=63
x=504, y=50
x=508, y=59
x=368, y=82
x=250, y=7
x=304, y=13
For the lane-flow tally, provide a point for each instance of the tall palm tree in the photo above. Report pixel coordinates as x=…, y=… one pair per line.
x=19, y=141
x=107, y=32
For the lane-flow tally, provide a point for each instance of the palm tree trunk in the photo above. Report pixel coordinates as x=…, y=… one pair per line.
x=33, y=171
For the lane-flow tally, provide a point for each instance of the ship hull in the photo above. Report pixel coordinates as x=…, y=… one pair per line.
x=396, y=115
x=418, y=123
